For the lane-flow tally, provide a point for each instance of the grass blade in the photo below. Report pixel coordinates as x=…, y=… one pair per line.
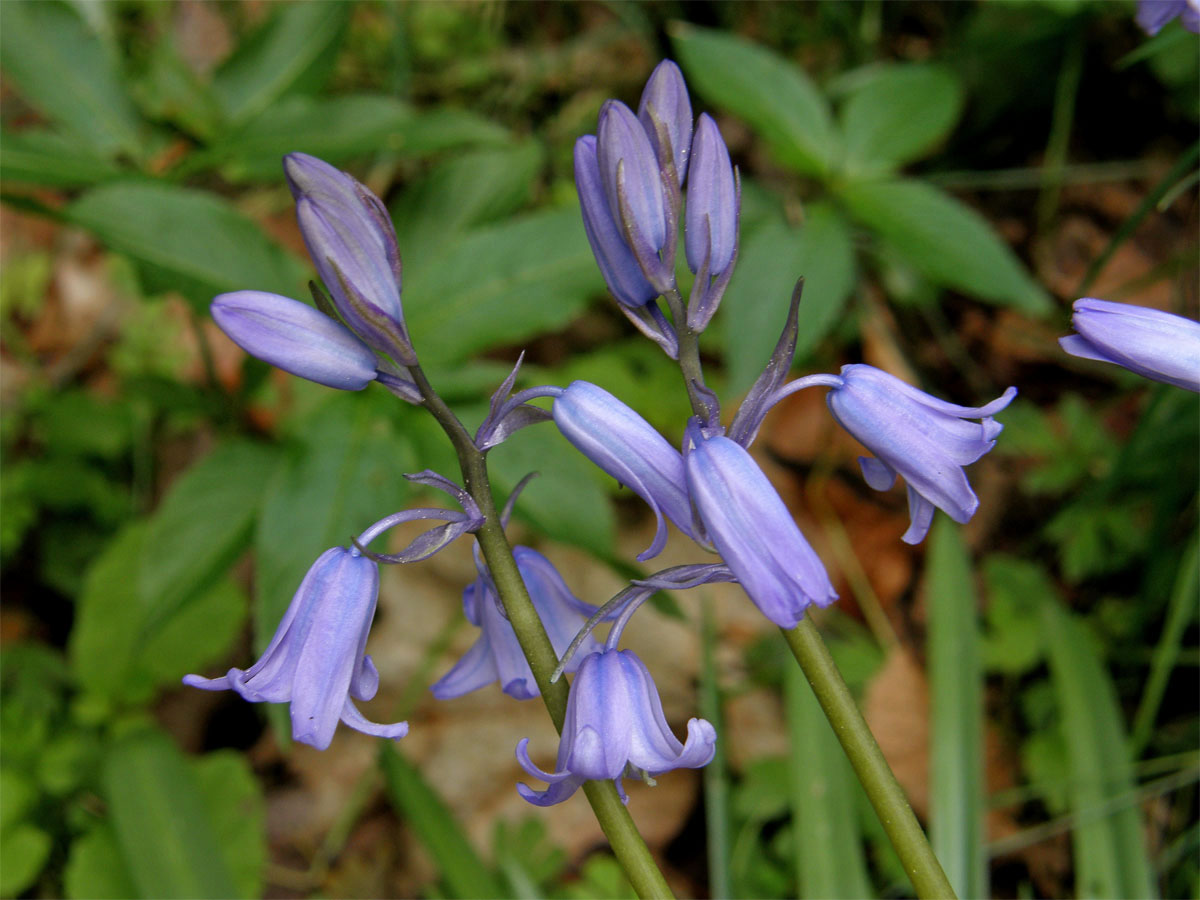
x=716, y=773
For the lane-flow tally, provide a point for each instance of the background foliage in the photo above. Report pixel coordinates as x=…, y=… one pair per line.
x=947, y=177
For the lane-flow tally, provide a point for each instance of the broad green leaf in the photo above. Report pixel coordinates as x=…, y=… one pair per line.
x=827, y=848
x=170, y=90
x=447, y=128
x=294, y=50
x=203, y=524
x=773, y=95
x=956, y=775
x=332, y=128
x=1013, y=643
x=501, y=284
x=162, y=822
x=345, y=473
x=234, y=801
x=61, y=68
x=898, y=114
x=185, y=240
x=95, y=869
x=566, y=501
x=48, y=158
x=419, y=806
x=1108, y=840
x=475, y=188
x=17, y=797
x=111, y=655
x=945, y=240
x=769, y=263
x=25, y=849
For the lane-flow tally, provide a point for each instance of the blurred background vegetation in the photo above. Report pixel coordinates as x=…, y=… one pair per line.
x=947, y=176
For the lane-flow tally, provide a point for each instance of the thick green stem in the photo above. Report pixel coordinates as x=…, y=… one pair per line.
x=897, y=817
x=618, y=826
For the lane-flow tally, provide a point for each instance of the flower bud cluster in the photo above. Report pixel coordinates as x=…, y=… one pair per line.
x=630, y=177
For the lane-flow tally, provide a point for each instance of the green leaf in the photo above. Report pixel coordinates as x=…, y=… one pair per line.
x=827, y=847
x=17, y=797
x=186, y=240
x=769, y=263
x=235, y=805
x=1013, y=643
x=419, y=806
x=898, y=113
x=47, y=158
x=203, y=524
x=170, y=90
x=344, y=474
x=773, y=95
x=956, y=777
x=475, y=188
x=95, y=869
x=63, y=70
x=161, y=819
x=566, y=501
x=294, y=51
x=333, y=129
x=1110, y=856
x=111, y=655
x=501, y=284
x=447, y=128
x=25, y=849
x=945, y=240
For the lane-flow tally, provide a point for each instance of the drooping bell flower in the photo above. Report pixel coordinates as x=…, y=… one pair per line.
x=296, y=338
x=752, y=529
x=353, y=245
x=666, y=113
x=1154, y=344
x=1153, y=15
x=925, y=439
x=627, y=447
x=317, y=661
x=615, y=726
x=497, y=655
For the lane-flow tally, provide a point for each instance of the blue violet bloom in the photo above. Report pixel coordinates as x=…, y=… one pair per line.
x=627, y=447
x=496, y=655
x=1154, y=344
x=753, y=530
x=925, y=439
x=665, y=111
x=317, y=659
x=296, y=338
x=614, y=727
x=1153, y=15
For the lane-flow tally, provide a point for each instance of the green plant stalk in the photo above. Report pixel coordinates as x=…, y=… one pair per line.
x=618, y=826
x=888, y=800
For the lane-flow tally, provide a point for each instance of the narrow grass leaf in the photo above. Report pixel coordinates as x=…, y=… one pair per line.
x=717, y=786
x=956, y=772
x=419, y=807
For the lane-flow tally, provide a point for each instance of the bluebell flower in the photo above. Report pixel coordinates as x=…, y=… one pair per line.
x=753, y=530
x=631, y=176
x=296, y=338
x=317, y=659
x=1154, y=344
x=1152, y=15
x=711, y=218
x=665, y=111
x=926, y=440
x=615, y=726
x=353, y=245
x=497, y=655
x=627, y=447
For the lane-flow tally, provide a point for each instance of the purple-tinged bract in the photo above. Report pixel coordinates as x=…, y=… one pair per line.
x=630, y=174
x=496, y=655
x=627, y=447
x=353, y=245
x=1155, y=344
x=296, y=338
x=925, y=439
x=753, y=530
x=665, y=105
x=617, y=263
x=615, y=726
x=317, y=661
x=1153, y=15
x=711, y=218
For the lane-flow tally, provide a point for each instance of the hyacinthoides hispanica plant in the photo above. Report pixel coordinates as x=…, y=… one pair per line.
x=640, y=177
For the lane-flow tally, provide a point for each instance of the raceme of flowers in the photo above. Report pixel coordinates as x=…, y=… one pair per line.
x=638, y=178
